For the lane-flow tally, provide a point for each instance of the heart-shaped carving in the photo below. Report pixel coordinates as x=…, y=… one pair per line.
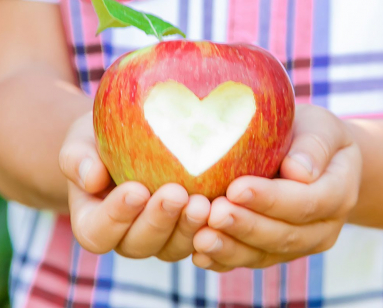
x=199, y=132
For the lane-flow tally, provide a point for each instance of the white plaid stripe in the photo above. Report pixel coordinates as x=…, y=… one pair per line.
x=353, y=269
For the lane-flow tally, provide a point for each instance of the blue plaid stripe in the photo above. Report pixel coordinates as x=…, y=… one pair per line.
x=73, y=271
x=103, y=284
x=320, y=48
x=208, y=19
x=258, y=287
x=315, y=286
x=283, y=285
x=290, y=37
x=175, y=277
x=355, y=298
x=183, y=16
x=107, y=48
x=20, y=258
x=80, y=48
x=264, y=23
x=200, y=298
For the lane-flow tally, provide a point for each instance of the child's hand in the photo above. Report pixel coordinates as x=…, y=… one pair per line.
x=263, y=222
x=126, y=218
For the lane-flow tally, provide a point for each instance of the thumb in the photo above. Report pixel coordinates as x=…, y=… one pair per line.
x=318, y=135
x=79, y=159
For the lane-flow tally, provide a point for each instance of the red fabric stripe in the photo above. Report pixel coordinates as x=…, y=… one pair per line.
x=297, y=270
x=48, y=281
x=43, y=299
x=236, y=287
x=67, y=22
x=297, y=280
x=304, y=16
x=278, y=29
x=243, y=21
x=271, y=286
x=87, y=269
x=277, y=46
x=90, y=24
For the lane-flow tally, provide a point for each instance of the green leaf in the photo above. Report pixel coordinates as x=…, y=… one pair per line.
x=112, y=14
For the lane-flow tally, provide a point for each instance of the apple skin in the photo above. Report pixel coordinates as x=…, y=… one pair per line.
x=132, y=152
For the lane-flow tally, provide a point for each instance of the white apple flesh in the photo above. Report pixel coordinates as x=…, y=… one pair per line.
x=198, y=114
x=199, y=132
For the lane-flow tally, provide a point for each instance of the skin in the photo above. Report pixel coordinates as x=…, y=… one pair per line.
x=339, y=181
x=39, y=102
x=334, y=167
x=263, y=222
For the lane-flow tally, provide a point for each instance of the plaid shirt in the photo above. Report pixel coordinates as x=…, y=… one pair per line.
x=333, y=52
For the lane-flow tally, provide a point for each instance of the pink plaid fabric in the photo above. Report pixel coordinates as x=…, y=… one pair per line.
x=333, y=52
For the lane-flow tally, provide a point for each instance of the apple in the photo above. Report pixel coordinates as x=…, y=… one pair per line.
x=195, y=113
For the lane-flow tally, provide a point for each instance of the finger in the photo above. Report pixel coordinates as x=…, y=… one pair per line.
x=333, y=195
x=193, y=217
x=205, y=262
x=231, y=253
x=318, y=135
x=271, y=235
x=154, y=226
x=79, y=159
x=100, y=224
x=282, y=199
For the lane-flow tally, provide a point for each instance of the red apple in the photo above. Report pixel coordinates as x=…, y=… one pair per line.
x=195, y=113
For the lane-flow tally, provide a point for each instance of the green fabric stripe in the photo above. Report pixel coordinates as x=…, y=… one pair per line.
x=5, y=254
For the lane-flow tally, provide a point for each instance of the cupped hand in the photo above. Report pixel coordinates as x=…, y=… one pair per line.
x=262, y=222
x=125, y=218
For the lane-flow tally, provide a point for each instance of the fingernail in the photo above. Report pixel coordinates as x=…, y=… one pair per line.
x=228, y=221
x=171, y=207
x=304, y=160
x=84, y=168
x=245, y=196
x=134, y=200
x=216, y=246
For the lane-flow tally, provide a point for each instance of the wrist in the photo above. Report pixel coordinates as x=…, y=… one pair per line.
x=368, y=135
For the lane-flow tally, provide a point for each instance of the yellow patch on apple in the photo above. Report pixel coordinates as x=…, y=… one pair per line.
x=199, y=132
